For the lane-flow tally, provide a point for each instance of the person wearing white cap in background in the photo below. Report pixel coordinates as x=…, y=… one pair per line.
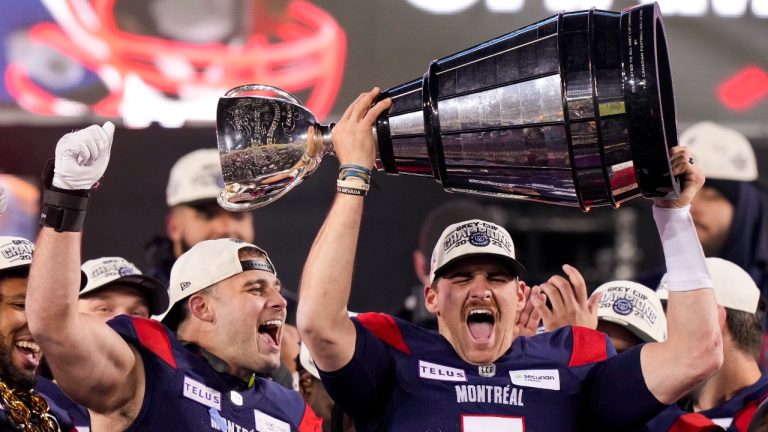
x=133, y=373
x=728, y=398
x=630, y=314
x=20, y=355
x=194, y=182
x=731, y=211
x=313, y=391
x=475, y=373
x=115, y=286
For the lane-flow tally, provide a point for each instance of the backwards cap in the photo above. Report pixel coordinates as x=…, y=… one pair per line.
x=207, y=263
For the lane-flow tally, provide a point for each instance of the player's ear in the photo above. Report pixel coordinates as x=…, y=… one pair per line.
x=430, y=298
x=172, y=228
x=200, y=307
x=521, y=298
x=305, y=384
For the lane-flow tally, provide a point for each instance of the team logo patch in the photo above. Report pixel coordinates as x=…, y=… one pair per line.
x=487, y=371
x=125, y=271
x=622, y=306
x=265, y=422
x=439, y=372
x=547, y=379
x=479, y=238
x=201, y=393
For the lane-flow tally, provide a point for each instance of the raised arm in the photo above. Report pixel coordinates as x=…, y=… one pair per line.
x=694, y=348
x=327, y=278
x=89, y=360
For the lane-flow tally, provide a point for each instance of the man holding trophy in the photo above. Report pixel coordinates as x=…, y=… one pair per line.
x=476, y=373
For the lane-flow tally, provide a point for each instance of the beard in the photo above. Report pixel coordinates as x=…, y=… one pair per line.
x=14, y=378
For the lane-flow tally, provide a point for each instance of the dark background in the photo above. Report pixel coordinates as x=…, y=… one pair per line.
x=390, y=42
x=129, y=208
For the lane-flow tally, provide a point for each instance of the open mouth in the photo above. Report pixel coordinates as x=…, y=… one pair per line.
x=272, y=328
x=480, y=323
x=30, y=352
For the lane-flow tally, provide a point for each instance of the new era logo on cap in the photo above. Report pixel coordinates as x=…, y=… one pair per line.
x=473, y=237
x=15, y=252
x=205, y=264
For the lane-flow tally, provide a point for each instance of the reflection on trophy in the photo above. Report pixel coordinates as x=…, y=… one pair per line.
x=575, y=110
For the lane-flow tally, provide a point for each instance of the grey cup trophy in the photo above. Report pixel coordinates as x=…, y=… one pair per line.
x=574, y=110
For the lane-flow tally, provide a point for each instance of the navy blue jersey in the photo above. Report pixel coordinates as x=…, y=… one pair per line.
x=185, y=393
x=732, y=416
x=65, y=422
x=78, y=413
x=405, y=378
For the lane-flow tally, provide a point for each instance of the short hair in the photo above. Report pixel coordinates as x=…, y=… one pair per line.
x=16, y=272
x=746, y=331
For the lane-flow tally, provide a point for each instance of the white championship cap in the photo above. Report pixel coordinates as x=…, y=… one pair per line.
x=105, y=272
x=305, y=358
x=734, y=288
x=470, y=238
x=196, y=176
x=722, y=153
x=205, y=264
x=15, y=252
x=634, y=306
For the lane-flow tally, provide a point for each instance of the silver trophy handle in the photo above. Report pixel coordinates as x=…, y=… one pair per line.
x=247, y=88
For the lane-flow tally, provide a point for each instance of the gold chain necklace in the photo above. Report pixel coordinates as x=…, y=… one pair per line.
x=20, y=417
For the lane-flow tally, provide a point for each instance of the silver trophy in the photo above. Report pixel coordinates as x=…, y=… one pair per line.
x=574, y=110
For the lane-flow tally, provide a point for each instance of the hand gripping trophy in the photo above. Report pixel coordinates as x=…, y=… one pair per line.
x=574, y=110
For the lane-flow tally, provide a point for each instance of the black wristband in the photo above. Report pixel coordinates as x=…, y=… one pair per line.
x=62, y=209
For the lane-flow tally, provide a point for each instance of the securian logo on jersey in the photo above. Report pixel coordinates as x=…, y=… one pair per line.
x=547, y=379
x=201, y=393
x=439, y=372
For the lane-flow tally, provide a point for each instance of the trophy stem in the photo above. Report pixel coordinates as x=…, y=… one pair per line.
x=322, y=139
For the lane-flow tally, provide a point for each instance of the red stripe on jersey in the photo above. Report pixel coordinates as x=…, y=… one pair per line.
x=152, y=336
x=385, y=328
x=589, y=346
x=744, y=416
x=310, y=422
x=694, y=422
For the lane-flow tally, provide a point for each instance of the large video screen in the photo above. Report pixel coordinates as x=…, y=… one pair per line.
x=167, y=61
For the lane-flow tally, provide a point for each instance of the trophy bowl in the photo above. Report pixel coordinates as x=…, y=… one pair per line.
x=575, y=110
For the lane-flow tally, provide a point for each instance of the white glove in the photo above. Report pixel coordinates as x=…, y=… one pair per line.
x=82, y=157
x=3, y=200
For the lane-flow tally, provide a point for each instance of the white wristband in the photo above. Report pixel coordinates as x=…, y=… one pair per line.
x=686, y=267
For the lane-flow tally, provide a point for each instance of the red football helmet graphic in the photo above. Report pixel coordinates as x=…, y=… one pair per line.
x=169, y=60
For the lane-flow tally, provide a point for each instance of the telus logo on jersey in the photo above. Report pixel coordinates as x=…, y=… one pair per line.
x=439, y=372
x=547, y=379
x=201, y=393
